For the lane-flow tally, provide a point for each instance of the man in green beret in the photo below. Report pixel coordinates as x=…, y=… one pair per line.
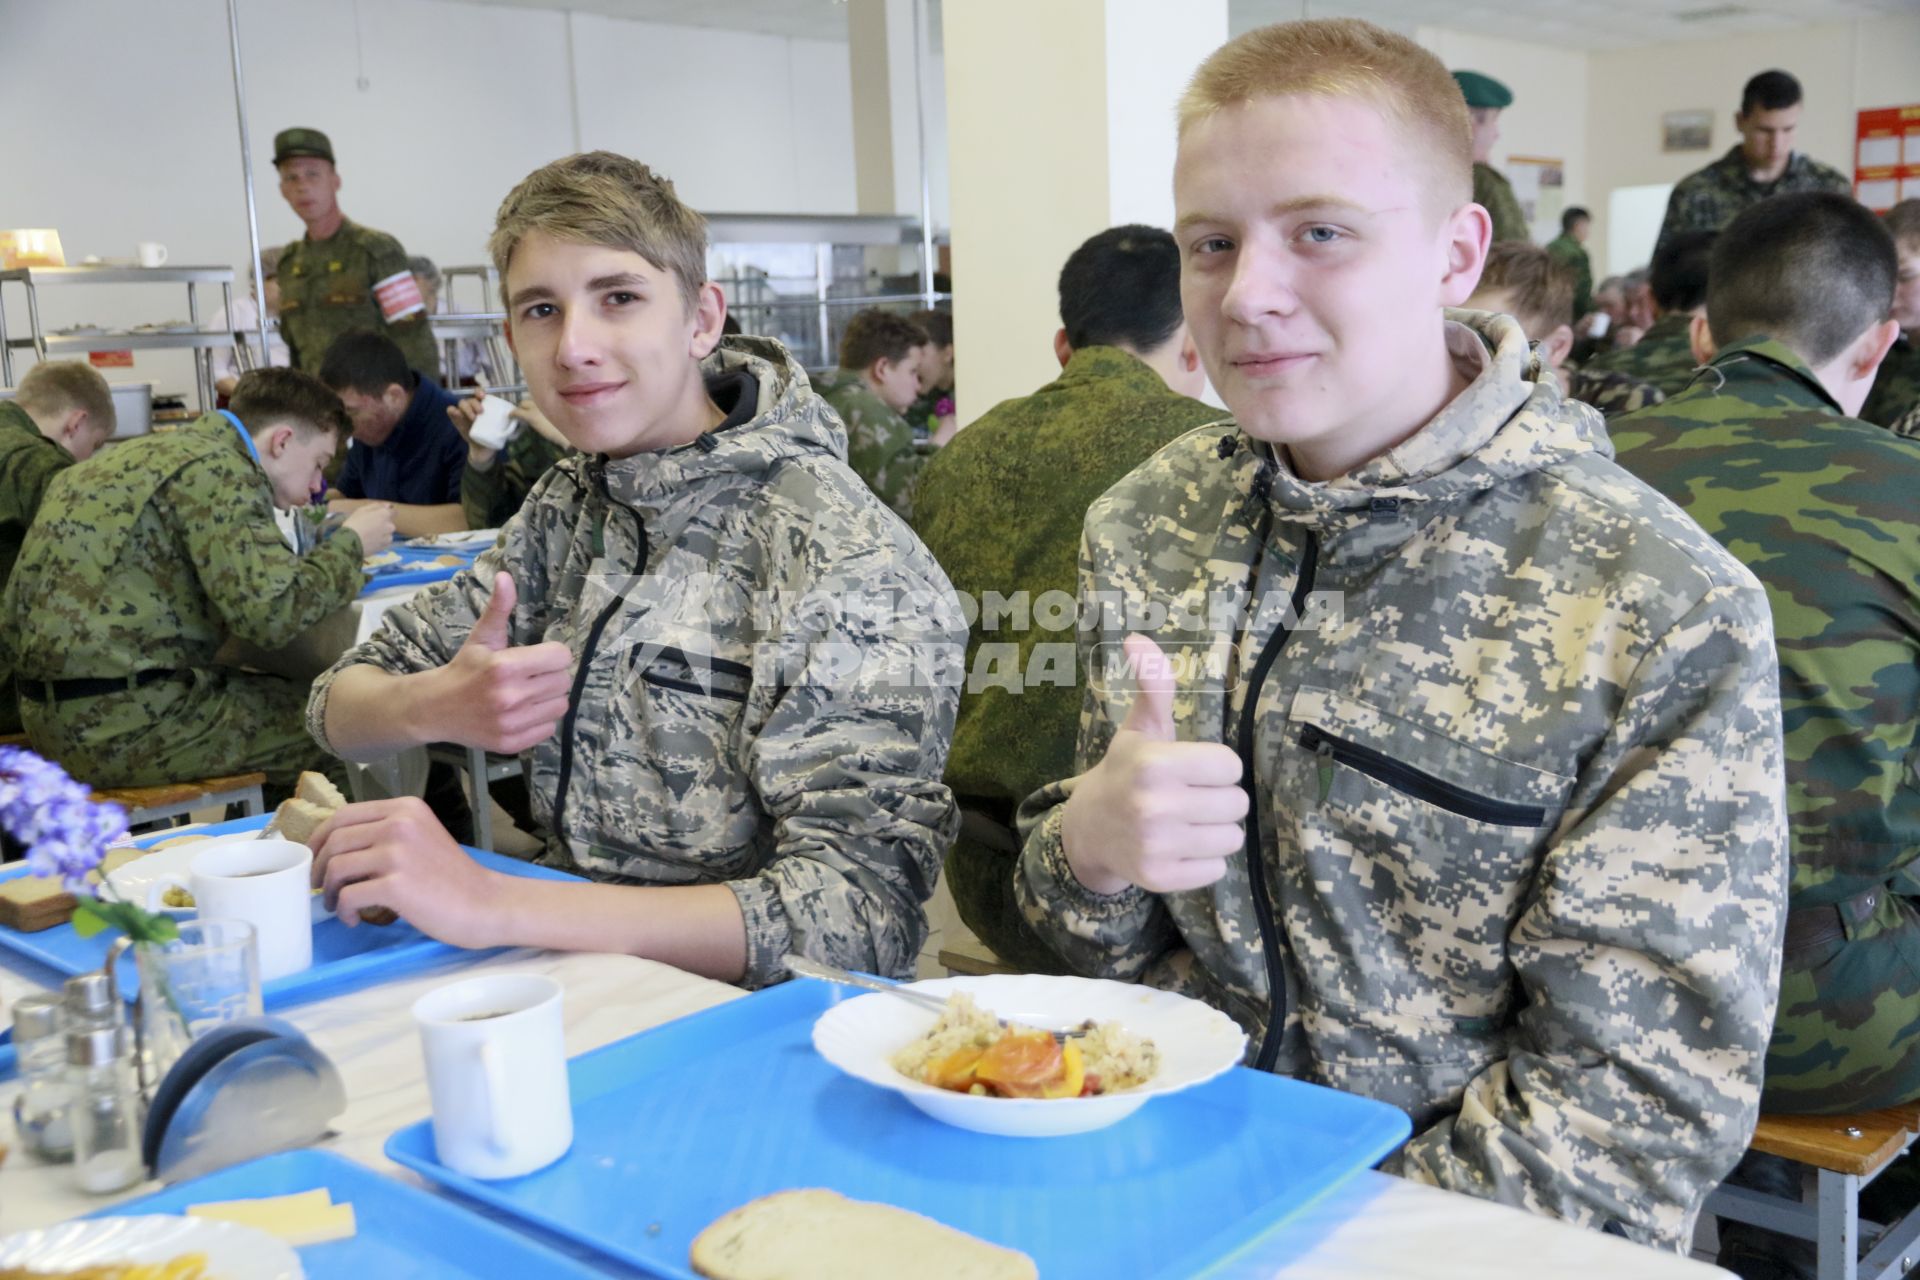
x=1486, y=99
x=341, y=277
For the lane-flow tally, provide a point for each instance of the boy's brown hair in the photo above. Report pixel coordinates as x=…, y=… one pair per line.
x=1347, y=58
x=598, y=197
x=1903, y=224
x=54, y=388
x=879, y=335
x=1538, y=289
x=266, y=398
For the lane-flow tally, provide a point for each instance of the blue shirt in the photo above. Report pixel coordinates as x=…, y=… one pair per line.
x=420, y=463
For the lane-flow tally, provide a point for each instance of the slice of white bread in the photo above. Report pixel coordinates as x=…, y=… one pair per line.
x=315, y=800
x=813, y=1234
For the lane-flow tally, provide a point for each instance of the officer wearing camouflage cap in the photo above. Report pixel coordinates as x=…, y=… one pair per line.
x=1486, y=99
x=1465, y=790
x=341, y=276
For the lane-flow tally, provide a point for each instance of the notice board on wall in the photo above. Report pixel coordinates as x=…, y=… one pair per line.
x=1886, y=157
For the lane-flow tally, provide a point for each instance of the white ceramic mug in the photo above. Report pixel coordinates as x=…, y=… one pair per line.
x=152, y=253
x=497, y=1073
x=264, y=882
x=495, y=425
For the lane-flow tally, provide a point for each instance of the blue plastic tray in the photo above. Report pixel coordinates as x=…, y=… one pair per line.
x=343, y=959
x=414, y=567
x=675, y=1126
x=403, y=1232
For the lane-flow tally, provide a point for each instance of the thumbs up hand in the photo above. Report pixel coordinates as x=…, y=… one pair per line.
x=497, y=696
x=1155, y=812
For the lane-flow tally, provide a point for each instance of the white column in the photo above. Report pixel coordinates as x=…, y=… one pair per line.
x=886, y=147
x=1060, y=123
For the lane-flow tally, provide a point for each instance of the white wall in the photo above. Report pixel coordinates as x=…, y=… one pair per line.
x=122, y=125
x=1845, y=67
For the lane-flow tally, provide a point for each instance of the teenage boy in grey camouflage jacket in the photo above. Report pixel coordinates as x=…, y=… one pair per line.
x=719, y=651
x=1479, y=809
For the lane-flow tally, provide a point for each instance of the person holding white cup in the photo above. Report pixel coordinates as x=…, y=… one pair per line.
x=496, y=1060
x=266, y=883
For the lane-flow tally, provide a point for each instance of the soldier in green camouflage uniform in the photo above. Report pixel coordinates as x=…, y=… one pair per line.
x=1569, y=248
x=719, y=733
x=143, y=563
x=1486, y=99
x=1001, y=508
x=491, y=493
x=1896, y=392
x=1664, y=354
x=1612, y=391
x=341, y=277
x=1763, y=455
x=63, y=412
x=1517, y=798
x=877, y=380
x=1708, y=199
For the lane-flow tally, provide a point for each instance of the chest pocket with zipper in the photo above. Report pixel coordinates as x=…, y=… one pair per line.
x=1418, y=852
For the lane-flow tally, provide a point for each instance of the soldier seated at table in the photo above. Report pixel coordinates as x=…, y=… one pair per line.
x=496, y=482
x=404, y=451
x=143, y=563
x=1529, y=284
x=1896, y=389
x=1458, y=778
x=882, y=362
x=1764, y=452
x=62, y=412
x=1001, y=509
x=720, y=655
x=1677, y=286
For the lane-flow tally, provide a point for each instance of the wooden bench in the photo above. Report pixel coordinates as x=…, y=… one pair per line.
x=1843, y=1153
x=969, y=957
x=15, y=740
x=145, y=805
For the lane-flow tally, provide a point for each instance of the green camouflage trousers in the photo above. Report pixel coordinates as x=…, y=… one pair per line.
x=1847, y=1036
x=980, y=877
x=220, y=721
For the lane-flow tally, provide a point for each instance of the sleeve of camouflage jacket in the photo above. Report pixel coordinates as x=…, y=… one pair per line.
x=264, y=591
x=426, y=631
x=884, y=455
x=1649, y=950
x=1099, y=935
x=481, y=492
x=412, y=334
x=26, y=477
x=849, y=769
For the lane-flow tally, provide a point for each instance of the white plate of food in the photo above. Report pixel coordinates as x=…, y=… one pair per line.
x=1003, y=1079
x=171, y=1246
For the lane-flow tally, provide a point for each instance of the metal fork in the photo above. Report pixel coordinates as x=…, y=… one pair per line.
x=802, y=967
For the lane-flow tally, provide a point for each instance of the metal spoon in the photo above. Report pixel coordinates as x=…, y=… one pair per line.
x=802, y=967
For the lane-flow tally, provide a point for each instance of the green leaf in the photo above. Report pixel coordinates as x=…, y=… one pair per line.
x=93, y=916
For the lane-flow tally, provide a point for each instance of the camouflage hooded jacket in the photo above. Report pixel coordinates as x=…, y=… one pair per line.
x=747, y=708
x=1517, y=856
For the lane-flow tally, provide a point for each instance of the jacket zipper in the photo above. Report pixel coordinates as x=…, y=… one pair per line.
x=1256, y=859
x=1410, y=781
x=580, y=679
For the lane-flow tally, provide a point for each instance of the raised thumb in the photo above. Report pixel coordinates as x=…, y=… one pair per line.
x=1152, y=711
x=493, y=630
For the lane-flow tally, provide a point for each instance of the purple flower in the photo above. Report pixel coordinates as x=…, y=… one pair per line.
x=65, y=832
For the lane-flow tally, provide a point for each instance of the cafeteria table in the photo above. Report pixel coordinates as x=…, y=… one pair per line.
x=1371, y=1226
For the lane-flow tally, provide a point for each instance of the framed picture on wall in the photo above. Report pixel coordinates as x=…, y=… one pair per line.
x=1686, y=130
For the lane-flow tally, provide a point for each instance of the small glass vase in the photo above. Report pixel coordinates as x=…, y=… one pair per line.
x=210, y=974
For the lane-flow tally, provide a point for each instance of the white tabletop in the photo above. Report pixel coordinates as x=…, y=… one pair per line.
x=1372, y=1226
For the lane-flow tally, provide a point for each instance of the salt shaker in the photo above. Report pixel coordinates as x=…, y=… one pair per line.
x=105, y=1110
x=91, y=1001
x=40, y=1109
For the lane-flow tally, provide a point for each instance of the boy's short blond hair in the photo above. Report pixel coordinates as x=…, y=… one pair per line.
x=600, y=198
x=1538, y=288
x=1347, y=58
x=54, y=388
